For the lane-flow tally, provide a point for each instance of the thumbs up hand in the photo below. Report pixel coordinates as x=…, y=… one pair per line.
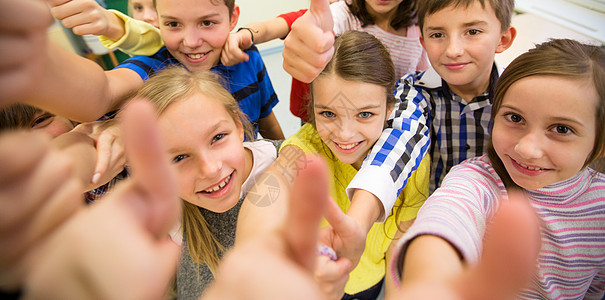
x=310, y=44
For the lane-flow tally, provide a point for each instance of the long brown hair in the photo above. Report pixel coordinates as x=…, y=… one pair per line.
x=170, y=86
x=562, y=58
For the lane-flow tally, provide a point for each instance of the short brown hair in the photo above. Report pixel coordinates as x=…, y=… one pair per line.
x=502, y=8
x=229, y=3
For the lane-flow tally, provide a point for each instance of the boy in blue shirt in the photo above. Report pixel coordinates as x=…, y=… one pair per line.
x=194, y=32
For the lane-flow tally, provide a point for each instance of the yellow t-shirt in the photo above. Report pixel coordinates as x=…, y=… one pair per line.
x=371, y=268
x=140, y=38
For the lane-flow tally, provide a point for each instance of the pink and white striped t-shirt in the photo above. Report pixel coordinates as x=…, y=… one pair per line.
x=571, y=263
x=407, y=53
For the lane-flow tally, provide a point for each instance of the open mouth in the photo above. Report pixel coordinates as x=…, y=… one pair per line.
x=528, y=167
x=347, y=146
x=219, y=186
x=196, y=56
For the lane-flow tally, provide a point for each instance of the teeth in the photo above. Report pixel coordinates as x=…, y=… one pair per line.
x=195, y=56
x=218, y=186
x=348, y=146
x=529, y=168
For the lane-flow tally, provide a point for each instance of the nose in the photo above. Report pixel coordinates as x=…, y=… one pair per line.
x=455, y=47
x=345, y=131
x=192, y=38
x=151, y=17
x=529, y=146
x=209, y=166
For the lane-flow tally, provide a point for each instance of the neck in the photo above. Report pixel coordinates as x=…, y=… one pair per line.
x=469, y=91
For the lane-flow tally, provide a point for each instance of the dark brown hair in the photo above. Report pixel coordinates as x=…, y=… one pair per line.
x=405, y=15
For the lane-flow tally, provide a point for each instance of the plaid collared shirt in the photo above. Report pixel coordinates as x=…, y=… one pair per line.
x=458, y=130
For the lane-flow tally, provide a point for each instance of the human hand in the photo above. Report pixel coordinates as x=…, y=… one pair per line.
x=233, y=50
x=23, y=36
x=118, y=248
x=279, y=265
x=310, y=45
x=508, y=262
x=348, y=240
x=110, y=149
x=87, y=17
x=38, y=192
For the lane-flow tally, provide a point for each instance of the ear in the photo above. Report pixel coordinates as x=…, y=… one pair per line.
x=240, y=130
x=389, y=111
x=422, y=41
x=506, y=39
x=234, y=17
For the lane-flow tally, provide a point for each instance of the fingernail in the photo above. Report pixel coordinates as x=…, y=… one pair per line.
x=96, y=177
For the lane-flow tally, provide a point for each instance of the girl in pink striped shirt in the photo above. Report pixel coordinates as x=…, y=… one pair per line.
x=549, y=125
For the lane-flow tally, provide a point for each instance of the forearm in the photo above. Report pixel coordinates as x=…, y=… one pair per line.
x=115, y=26
x=269, y=128
x=430, y=258
x=265, y=206
x=269, y=30
x=365, y=209
x=137, y=38
x=70, y=86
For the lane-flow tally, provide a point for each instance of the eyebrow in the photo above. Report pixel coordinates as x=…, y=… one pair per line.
x=467, y=24
x=208, y=16
x=371, y=106
x=212, y=129
x=554, y=119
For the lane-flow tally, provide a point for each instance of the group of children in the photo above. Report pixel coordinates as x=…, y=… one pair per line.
x=418, y=166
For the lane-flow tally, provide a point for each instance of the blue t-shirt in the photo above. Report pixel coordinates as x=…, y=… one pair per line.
x=248, y=82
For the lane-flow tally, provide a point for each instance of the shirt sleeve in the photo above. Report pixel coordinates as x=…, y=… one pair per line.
x=398, y=151
x=458, y=212
x=292, y=16
x=342, y=17
x=140, y=37
x=268, y=96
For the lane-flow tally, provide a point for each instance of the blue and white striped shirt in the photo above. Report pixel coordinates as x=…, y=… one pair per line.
x=426, y=108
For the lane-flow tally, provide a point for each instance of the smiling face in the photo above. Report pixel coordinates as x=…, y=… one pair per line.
x=194, y=31
x=145, y=11
x=205, y=145
x=350, y=118
x=545, y=129
x=461, y=43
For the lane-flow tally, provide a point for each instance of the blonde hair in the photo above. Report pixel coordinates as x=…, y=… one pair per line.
x=162, y=90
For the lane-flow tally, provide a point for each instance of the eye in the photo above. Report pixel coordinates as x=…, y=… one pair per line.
x=327, y=114
x=178, y=158
x=436, y=35
x=365, y=114
x=42, y=121
x=172, y=24
x=515, y=118
x=138, y=7
x=562, y=129
x=474, y=31
x=218, y=137
x=207, y=23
